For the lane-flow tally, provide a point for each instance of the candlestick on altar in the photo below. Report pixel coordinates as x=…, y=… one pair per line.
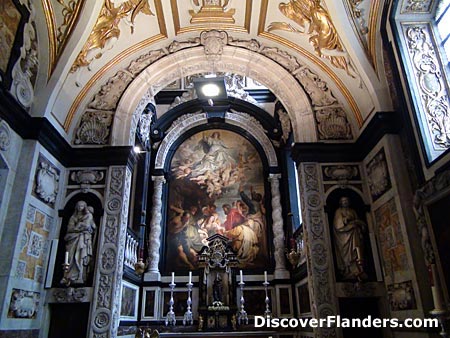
x=440, y=310
x=66, y=258
x=188, y=317
x=267, y=313
x=242, y=314
x=170, y=317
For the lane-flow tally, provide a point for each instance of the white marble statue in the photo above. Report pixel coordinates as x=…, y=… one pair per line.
x=349, y=240
x=79, y=243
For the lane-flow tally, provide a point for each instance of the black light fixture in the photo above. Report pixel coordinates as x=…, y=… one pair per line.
x=210, y=89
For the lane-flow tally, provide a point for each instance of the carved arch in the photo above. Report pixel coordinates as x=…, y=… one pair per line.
x=241, y=120
x=193, y=61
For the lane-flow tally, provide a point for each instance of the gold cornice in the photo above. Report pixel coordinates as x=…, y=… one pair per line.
x=51, y=28
x=119, y=58
x=212, y=24
x=323, y=67
x=373, y=18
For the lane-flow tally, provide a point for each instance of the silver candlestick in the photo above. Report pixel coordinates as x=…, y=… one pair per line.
x=188, y=318
x=170, y=317
x=267, y=313
x=242, y=314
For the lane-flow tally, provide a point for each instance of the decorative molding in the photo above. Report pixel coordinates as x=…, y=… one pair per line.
x=436, y=186
x=47, y=181
x=430, y=84
x=378, y=177
x=24, y=304
x=94, y=128
x=320, y=265
x=112, y=235
x=106, y=30
x=5, y=136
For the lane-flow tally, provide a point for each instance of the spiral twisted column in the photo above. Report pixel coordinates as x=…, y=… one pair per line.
x=277, y=227
x=154, y=241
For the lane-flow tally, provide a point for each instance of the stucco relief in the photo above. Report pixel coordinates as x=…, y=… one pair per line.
x=46, y=182
x=332, y=124
x=318, y=244
x=430, y=83
x=87, y=176
x=24, y=304
x=112, y=235
x=416, y=6
x=25, y=69
x=341, y=172
x=94, y=127
x=213, y=42
x=378, y=175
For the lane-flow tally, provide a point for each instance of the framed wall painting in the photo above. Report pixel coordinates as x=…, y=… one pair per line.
x=150, y=303
x=129, y=301
x=302, y=298
x=285, y=306
x=216, y=186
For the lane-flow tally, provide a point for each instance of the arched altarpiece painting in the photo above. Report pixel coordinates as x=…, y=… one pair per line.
x=216, y=186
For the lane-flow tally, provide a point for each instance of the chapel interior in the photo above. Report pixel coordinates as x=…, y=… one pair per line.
x=191, y=168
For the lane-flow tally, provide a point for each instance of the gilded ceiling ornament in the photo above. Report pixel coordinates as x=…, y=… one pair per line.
x=70, y=13
x=315, y=21
x=106, y=30
x=217, y=11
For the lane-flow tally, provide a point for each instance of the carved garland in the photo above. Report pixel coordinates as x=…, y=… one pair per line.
x=105, y=310
x=320, y=95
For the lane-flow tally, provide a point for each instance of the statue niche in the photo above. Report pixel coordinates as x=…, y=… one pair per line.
x=350, y=236
x=217, y=283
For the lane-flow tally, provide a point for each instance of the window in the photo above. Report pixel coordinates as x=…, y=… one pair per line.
x=442, y=19
x=422, y=34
